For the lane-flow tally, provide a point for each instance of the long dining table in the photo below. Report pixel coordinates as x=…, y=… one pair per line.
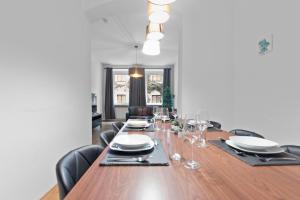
x=220, y=177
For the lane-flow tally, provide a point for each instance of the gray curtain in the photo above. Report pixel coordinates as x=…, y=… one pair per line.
x=109, y=109
x=137, y=95
x=167, y=78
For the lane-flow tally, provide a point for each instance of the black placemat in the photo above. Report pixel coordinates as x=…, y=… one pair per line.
x=157, y=157
x=253, y=160
x=151, y=128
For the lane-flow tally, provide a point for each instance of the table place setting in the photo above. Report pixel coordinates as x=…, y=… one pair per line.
x=138, y=125
x=135, y=150
x=256, y=151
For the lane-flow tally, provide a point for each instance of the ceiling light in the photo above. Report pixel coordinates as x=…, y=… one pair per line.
x=158, y=13
x=162, y=2
x=151, y=47
x=154, y=31
x=135, y=71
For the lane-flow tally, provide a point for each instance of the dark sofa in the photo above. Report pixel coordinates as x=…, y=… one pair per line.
x=139, y=112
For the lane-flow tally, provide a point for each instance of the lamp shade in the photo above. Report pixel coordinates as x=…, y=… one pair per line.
x=158, y=14
x=162, y=2
x=154, y=31
x=135, y=72
x=151, y=47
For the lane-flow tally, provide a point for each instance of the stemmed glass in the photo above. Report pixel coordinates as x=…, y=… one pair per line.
x=190, y=127
x=164, y=116
x=156, y=112
x=203, y=124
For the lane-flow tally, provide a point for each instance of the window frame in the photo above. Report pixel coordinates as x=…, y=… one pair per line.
x=117, y=73
x=156, y=71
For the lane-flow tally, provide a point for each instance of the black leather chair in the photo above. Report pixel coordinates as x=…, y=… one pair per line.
x=107, y=136
x=73, y=165
x=241, y=132
x=117, y=126
x=216, y=126
x=293, y=149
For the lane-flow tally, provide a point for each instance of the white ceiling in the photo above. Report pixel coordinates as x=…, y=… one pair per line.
x=119, y=24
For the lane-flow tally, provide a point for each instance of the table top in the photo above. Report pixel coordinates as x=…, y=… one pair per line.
x=221, y=176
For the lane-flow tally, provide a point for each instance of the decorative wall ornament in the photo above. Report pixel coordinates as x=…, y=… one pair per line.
x=265, y=45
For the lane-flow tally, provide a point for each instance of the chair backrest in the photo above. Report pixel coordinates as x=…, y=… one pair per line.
x=216, y=125
x=241, y=132
x=107, y=136
x=117, y=126
x=293, y=149
x=140, y=110
x=73, y=165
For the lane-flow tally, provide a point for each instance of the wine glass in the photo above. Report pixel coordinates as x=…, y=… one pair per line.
x=190, y=127
x=203, y=124
x=156, y=113
x=164, y=116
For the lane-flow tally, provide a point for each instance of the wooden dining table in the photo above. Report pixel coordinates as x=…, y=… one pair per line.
x=220, y=177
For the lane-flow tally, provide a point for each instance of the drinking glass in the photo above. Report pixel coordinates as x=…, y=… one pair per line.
x=203, y=124
x=173, y=139
x=190, y=135
x=176, y=138
x=156, y=113
x=164, y=116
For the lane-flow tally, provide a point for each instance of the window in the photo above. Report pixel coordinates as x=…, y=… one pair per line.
x=121, y=99
x=156, y=99
x=121, y=86
x=154, y=86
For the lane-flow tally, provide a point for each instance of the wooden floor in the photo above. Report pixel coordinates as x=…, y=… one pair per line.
x=53, y=193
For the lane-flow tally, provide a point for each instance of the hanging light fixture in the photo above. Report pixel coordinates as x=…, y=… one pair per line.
x=158, y=13
x=162, y=2
x=135, y=71
x=151, y=47
x=154, y=31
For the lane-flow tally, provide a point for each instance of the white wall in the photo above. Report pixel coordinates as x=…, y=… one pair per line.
x=207, y=61
x=96, y=82
x=267, y=87
x=45, y=103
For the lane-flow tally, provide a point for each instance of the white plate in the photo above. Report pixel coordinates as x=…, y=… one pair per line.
x=137, y=124
x=273, y=150
x=144, y=148
x=132, y=140
x=253, y=143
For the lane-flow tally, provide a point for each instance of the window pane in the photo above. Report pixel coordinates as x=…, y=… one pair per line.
x=121, y=86
x=154, y=86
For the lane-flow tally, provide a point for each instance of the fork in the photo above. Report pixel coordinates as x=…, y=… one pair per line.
x=133, y=159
